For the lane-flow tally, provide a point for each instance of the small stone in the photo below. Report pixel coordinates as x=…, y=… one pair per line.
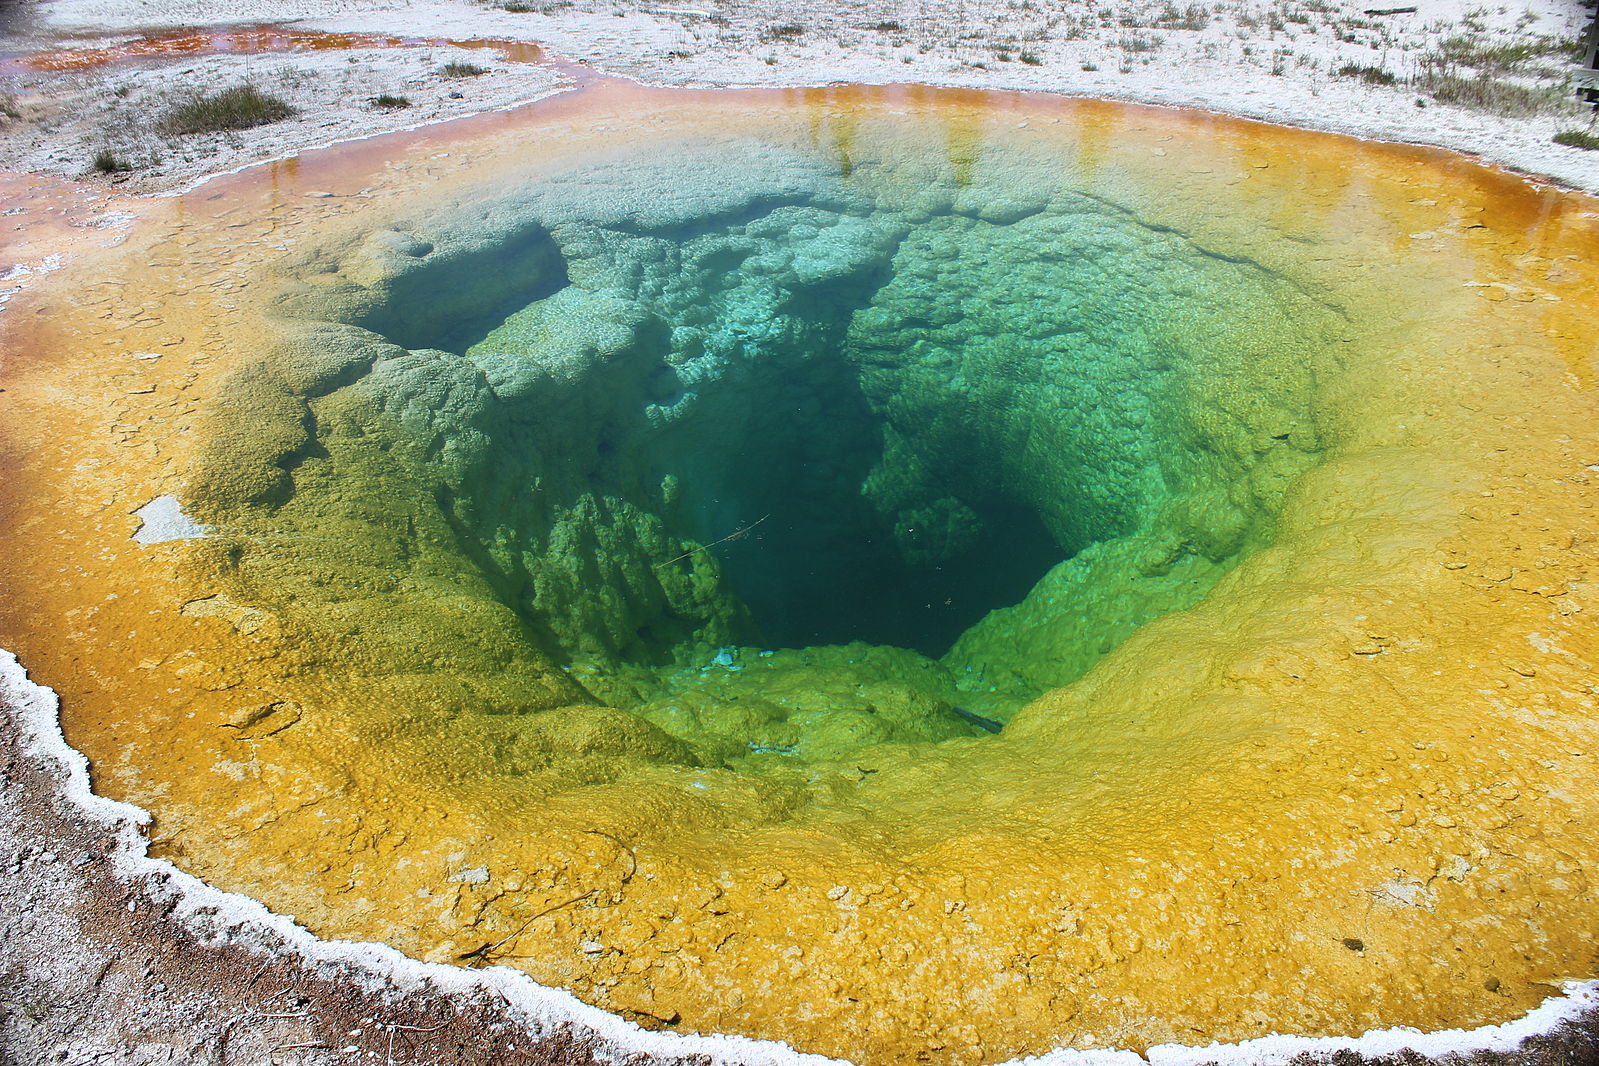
x=774, y=879
x=1492, y=984
x=1354, y=943
x=838, y=892
x=592, y=947
x=84, y=859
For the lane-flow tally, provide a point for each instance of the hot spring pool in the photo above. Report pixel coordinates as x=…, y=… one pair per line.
x=921, y=575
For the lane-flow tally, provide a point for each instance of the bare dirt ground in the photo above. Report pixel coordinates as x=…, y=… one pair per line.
x=98, y=966
x=98, y=970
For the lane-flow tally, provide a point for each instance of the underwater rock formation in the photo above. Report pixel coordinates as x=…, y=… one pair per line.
x=906, y=413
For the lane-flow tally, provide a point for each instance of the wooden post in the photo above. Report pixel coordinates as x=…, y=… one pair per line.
x=1588, y=75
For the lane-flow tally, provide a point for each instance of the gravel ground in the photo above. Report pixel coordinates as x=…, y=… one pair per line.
x=98, y=968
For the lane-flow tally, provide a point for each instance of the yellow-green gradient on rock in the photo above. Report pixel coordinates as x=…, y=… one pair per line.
x=602, y=539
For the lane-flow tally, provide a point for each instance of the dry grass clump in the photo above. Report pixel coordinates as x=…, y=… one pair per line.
x=1497, y=76
x=1502, y=57
x=1578, y=139
x=1192, y=17
x=238, y=108
x=1497, y=96
x=108, y=162
x=458, y=69
x=1369, y=75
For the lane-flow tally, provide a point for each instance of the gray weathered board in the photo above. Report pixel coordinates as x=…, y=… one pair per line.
x=1587, y=80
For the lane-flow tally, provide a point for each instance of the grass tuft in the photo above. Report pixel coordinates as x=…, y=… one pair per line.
x=462, y=70
x=108, y=162
x=1193, y=17
x=1496, y=96
x=1578, y=139
x=1369, y=75
x=1502, y=57
x=238, y=108
x=387, y=102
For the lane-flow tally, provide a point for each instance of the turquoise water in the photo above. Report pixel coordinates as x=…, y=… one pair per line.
x=680, y=421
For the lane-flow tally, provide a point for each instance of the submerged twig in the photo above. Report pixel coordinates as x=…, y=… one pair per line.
x=626, y=849
x=735, y=535
x=978, y=720
x=483, y=953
